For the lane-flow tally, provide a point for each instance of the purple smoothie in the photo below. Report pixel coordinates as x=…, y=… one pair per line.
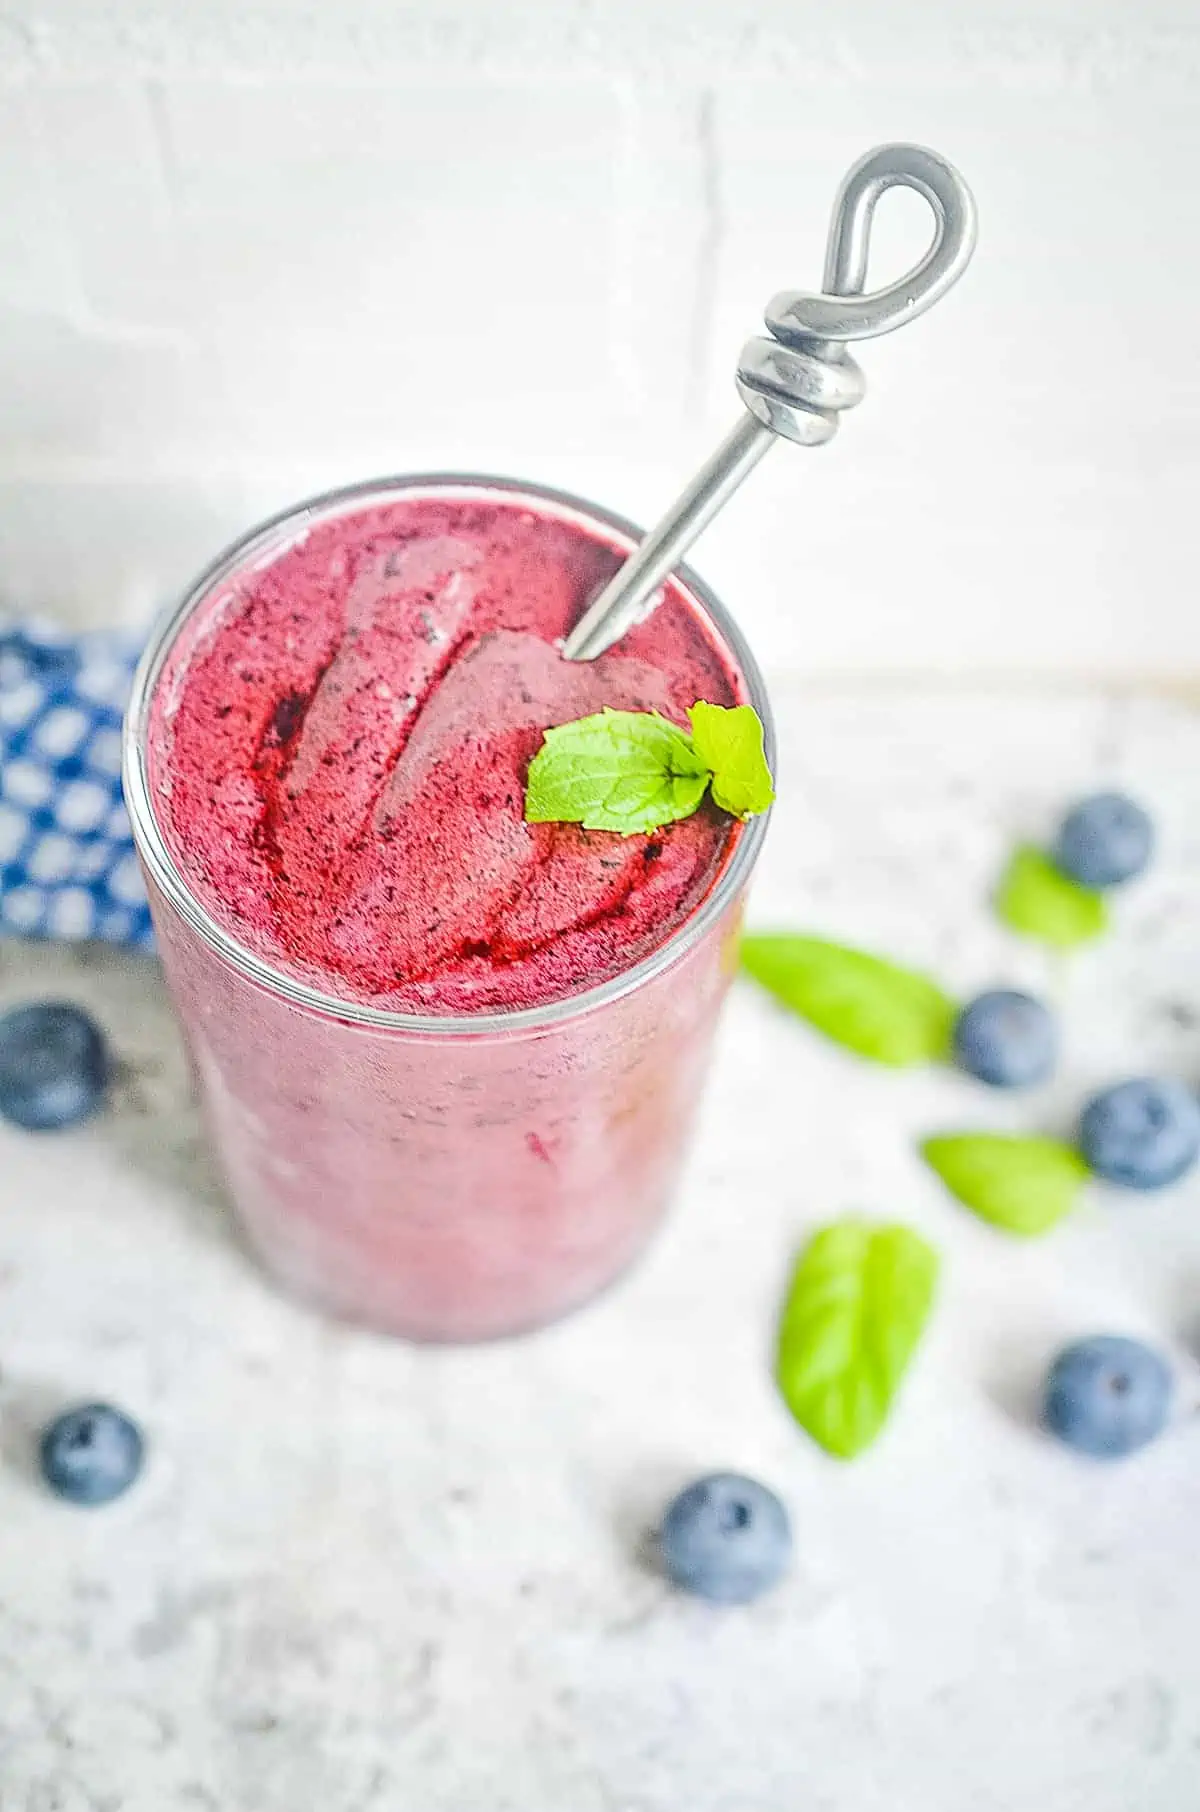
x=437, y=1119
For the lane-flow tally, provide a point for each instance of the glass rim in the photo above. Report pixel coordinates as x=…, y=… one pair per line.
x=298, y=518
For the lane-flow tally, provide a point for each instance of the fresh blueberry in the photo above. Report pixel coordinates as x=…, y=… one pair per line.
x=1104, y=840
x=1006, y=1038
x=1144, y=1133
x=54, y=1066
x=725, y=1538
x=92, y=1454
x=1108, y=1396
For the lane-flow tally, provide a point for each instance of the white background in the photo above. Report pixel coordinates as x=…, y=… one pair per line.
x=252, y=247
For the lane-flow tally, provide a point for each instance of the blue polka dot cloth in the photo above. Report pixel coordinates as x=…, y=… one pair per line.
x=67, y=863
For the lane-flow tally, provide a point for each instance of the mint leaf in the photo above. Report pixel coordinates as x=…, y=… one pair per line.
x=634, y=771
x=729, y=741
x=858, y=1304
x=625, y=771
x=1024, y=1185
x=889, y=1014
x=1038, y=900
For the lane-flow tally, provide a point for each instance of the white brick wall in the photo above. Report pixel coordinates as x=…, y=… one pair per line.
x=248, y=249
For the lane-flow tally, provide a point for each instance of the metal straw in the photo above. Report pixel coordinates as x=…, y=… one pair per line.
x=797, y=382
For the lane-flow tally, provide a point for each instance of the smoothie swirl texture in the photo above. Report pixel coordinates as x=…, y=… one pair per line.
x=339, y=745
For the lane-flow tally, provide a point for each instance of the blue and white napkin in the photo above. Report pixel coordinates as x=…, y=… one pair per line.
x=67, y=863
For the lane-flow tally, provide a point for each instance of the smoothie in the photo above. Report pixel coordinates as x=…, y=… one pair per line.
x=341, y=752
x=448, y=1058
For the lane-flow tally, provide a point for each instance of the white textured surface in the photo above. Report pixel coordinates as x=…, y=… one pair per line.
x=249, y=248
x=358, y=1576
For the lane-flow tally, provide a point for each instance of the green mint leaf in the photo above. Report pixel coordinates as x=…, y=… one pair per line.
x=625, y=771
x=858, y=1304
x=1039, y=901
x=889, y=1014
x=729, y=741
x=1024, y=1185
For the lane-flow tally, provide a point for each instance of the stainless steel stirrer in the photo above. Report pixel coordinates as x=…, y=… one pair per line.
x=798, y=382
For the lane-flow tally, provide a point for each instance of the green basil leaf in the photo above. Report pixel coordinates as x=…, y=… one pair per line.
x=624, y=771
x=858, y=1304
x=729, y=741
x=1024, y=1185
x=889, y=1014
x=1038, y=900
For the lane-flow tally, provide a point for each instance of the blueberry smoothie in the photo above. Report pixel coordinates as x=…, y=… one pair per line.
x=447, y=1057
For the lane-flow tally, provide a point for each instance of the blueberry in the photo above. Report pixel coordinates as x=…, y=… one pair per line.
x=54, y=1066
x=1108, y=1396
x=1144, y=1133
x=725, y=1538
x=1006, y=1038
x=1104, y=840
x=92, y=1454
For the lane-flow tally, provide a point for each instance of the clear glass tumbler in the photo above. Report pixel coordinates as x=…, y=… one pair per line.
x=441, y=1178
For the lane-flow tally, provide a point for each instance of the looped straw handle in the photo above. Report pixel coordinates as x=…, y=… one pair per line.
x=842, y=311
x=798, y=381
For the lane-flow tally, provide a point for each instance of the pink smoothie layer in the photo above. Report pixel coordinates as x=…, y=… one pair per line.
x=340, y=748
